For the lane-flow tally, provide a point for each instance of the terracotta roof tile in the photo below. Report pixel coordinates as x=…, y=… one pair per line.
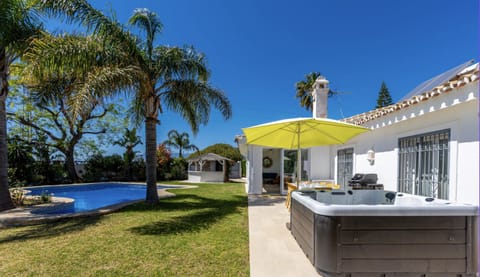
x=467, y=76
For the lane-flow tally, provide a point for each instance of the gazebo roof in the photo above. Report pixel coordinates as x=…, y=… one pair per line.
x=209, y=157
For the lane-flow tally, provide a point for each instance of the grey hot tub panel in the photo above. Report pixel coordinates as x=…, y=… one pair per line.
x=387, y=245
x=303, y=229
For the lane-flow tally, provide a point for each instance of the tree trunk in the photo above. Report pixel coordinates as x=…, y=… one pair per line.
x=129, y=156
x=70, y=166
x=5, y=199
x=151, y=159
x=48, y=171
x=226, y=169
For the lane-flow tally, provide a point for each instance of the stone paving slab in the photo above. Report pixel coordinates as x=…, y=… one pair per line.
x=273, y=250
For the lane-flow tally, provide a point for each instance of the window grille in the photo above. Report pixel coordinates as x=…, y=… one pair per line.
x=344, y=166
x=424, y=164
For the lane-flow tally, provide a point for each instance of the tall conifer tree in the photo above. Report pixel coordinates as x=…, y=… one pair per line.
x=384, y=99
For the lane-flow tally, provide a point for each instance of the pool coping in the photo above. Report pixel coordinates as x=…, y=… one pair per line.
x=23, y=216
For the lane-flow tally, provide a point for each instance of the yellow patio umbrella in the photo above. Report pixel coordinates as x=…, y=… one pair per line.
x=298, y=133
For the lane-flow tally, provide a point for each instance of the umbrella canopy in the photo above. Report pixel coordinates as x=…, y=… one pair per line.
x=297, y=133
x=301, y=133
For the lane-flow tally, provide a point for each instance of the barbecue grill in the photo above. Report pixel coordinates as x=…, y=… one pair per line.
x=364, y=181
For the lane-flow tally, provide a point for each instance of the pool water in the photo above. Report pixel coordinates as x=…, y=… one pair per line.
x=94, y=196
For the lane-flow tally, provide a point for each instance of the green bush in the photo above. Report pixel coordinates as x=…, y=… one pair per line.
x=18, y=196
x=112, y=168
x=94, y=168
x=100, y=168
x=138, y=170
x=178, y=170
x=12, y=177
x=45, y=197
x=244, y=168
x=21, y=160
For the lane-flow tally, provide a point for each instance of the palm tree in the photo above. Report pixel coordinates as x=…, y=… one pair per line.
x=54, y=91
x=165, y=77
x=180, y=142
x=129, y=141
x=304, y=90
x=18, y=25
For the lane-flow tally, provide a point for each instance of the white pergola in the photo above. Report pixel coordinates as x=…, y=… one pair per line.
x=204, y=168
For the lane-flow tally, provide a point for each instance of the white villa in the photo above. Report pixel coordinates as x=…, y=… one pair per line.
x=426, y=144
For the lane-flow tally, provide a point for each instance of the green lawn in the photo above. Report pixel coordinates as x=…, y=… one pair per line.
x=200, y=232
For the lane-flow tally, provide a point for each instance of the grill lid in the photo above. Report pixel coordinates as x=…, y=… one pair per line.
x=364, y=179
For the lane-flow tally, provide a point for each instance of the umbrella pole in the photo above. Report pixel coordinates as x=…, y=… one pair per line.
x=299, y=167
x=299, y=158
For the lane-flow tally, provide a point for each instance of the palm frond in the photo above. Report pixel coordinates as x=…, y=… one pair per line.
x=88, y=66
x=180, y=63
x=304, y=90
x=102, y=82
x=137, y=109
x=19, y=23
x=64, y=54
x=80, y=11
x=193, y=101
x=148, y=22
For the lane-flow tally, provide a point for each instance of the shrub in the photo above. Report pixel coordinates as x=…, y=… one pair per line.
x=45, y=197
x=12, y=177
x=112, y=168
x=244, y=168
x=100, y=168
x=94, y=168
x=18, y=196
x=178, y=170
x=138, y=169
x=21, y=159
x=164, y=161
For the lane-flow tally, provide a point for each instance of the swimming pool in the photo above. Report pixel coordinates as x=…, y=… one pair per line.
x=90, y=197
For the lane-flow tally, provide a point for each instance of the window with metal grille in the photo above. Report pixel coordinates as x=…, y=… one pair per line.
x=344, y=166
x=423, y=164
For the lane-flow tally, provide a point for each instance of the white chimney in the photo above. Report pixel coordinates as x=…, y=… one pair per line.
x=320, y=96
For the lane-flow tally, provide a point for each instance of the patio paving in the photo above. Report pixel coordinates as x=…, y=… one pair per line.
x=273, y=250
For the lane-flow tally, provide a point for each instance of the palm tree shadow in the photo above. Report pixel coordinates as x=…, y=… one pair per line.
x=52, y=229
x=202, y=213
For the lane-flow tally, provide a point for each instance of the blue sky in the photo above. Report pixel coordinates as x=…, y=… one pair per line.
x=258, y=49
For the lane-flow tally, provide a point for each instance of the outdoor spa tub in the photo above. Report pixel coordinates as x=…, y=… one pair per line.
x=383, y=233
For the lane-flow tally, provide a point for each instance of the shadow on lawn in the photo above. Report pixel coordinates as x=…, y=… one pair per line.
x=198, y=213
x=51, y=229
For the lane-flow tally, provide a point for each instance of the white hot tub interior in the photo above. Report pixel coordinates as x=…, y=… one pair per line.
x=379, y=202
x=375, y=197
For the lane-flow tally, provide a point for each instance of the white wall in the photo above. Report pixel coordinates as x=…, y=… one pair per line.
x=457, y=111
x=194, y=176
x=205, y=176
x=320, y=165
x=273, y=154
x=254, y=170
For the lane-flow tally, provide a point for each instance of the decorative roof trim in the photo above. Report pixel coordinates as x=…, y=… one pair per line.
x=209, y=157
x=462, y=79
